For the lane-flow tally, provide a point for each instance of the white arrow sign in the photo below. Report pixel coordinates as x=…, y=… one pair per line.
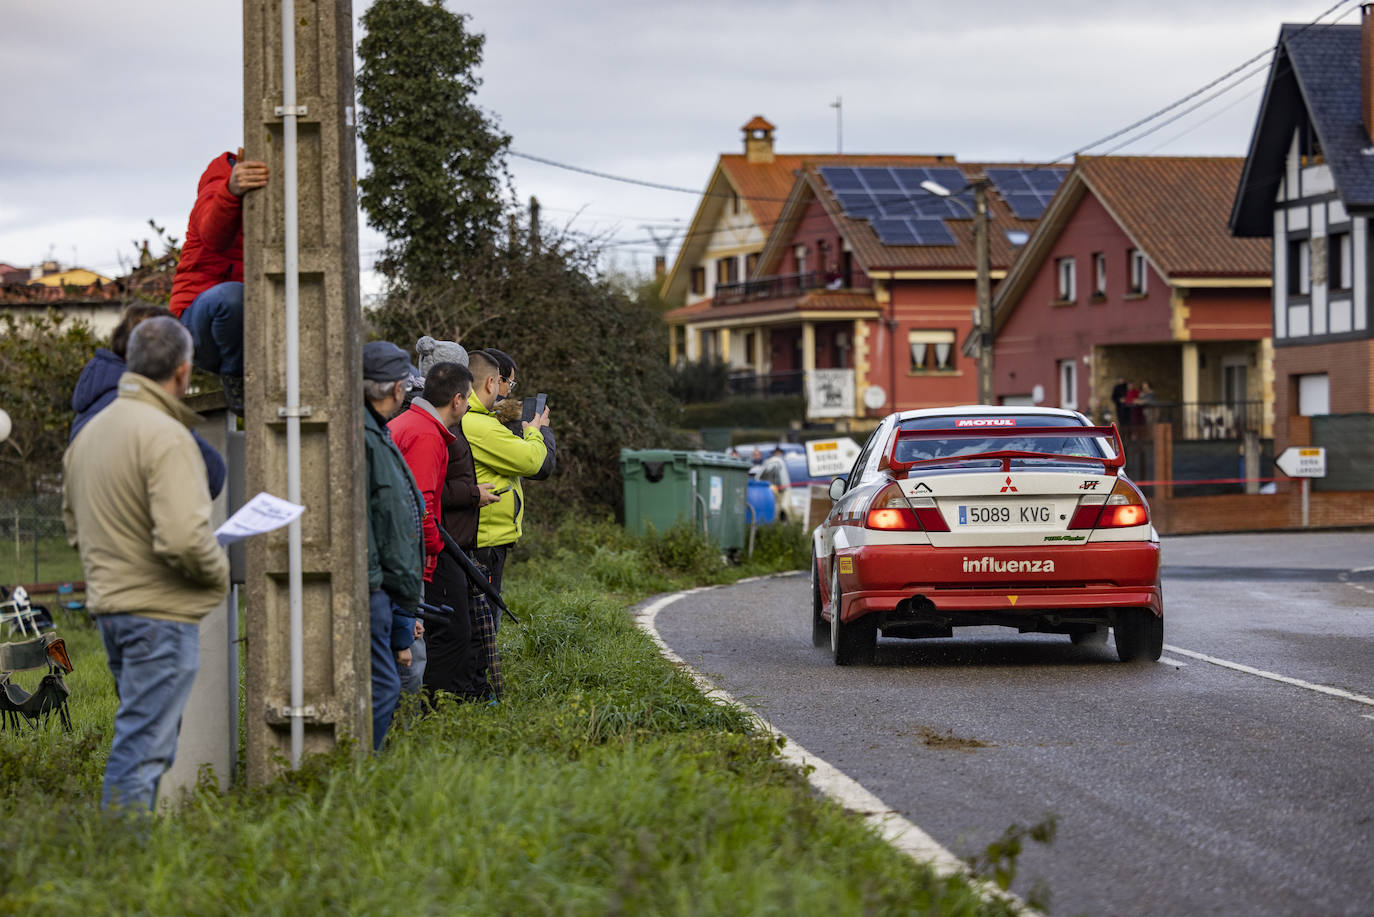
x=826, y=458
x=1303, y=462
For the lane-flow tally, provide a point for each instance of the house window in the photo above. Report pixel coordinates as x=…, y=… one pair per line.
x=698, y=281
x=1065, y=287
x=800, y=253
x=931, y=351
x=1099, y=274
x=1299, y=267
x=750, y=262
x=1068, y=385
x=1314, y=394
x=1135, y=258
x=727, y=270
x=1338, y=250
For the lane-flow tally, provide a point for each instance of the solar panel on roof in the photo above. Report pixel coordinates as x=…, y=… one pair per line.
x=1027, y=190
x=893, y=201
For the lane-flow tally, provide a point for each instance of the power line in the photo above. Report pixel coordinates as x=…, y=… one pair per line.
x=1200, y=90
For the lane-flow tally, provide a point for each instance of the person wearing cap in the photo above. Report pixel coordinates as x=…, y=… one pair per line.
x=395, y=540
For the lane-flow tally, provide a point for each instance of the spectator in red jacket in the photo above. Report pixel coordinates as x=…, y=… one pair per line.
x=207, y=291
x=423, y=436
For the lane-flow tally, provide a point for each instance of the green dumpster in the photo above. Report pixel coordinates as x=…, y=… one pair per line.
x=709, y=489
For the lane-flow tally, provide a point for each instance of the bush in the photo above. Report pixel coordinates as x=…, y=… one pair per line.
x=703, y=380
x=776, y=413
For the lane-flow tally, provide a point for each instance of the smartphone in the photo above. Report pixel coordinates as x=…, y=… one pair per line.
x=502, y=490
x=532, y=407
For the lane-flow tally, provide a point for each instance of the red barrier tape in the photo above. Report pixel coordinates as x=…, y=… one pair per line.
x=1210, y=481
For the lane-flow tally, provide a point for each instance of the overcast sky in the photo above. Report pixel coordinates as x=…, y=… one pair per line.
x=111, y=111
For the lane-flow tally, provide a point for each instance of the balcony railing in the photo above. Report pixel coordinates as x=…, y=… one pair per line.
x=768, y=288
x=788, y=382
x=1195, y=420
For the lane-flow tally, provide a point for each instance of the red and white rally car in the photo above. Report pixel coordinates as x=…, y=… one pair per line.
x=971, y=516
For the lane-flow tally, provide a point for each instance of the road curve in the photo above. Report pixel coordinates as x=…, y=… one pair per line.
x=1183, y=787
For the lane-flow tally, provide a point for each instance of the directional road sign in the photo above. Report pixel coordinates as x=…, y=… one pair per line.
x=826, y=458
x=1303, y=462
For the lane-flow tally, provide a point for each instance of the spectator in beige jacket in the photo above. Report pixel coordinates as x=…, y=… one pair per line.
x=137, y=505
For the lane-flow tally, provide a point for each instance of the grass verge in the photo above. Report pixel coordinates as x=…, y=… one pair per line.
x=605, y=783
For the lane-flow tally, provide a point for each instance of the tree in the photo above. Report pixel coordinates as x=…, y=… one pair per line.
x=438, y=161
x=465, y=266
x=41, y=357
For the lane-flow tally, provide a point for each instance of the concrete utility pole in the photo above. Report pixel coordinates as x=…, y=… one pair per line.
x=984, y=289
x=304, y=390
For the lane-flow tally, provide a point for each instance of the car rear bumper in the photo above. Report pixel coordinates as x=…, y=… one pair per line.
x=1009, y=581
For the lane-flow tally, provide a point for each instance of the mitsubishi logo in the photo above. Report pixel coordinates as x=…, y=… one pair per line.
x=1009, y=486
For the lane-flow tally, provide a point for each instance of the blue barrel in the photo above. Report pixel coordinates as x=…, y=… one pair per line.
x=762, y=500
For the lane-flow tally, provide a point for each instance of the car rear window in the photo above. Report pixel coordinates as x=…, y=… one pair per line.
x=915, y=450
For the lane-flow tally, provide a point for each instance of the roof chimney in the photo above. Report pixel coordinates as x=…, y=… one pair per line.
x=1367, y=68
x=758, y=140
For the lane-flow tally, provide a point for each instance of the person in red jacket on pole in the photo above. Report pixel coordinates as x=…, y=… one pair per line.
x=422, y=434
x=207, y=290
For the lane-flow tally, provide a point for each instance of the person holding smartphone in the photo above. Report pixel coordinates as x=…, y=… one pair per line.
x=501, y=458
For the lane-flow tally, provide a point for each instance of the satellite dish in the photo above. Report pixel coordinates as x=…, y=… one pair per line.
x=1038, y=394
x=874, y=397
x=5, y=426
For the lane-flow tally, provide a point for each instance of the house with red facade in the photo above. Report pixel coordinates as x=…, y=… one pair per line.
x=1133, y=275
x=862, y=285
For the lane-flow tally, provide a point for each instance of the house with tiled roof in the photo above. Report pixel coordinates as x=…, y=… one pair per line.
x=858, y=279
x=1308, y=184
x=1131, y=277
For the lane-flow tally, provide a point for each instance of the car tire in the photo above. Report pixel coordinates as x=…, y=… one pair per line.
x=855, y=643
x=820, y=627
x=1096, y=636
x=1139, y=635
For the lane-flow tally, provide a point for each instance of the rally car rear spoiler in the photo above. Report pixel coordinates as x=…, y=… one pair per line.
x=1110, y=465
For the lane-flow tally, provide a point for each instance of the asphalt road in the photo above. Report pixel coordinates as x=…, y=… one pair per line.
x=1180, y=787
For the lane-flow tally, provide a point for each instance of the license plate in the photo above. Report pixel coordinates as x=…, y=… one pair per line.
x=1006, y=514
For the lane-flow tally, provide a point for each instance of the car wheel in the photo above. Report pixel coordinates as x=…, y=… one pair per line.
x=1091, y=636
x=1139, y=635
x=820, y=627
x=855, y=643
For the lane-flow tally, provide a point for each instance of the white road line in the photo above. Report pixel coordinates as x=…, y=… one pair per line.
x=897, y=830
x=1345, y=578
x=1272, y=676
x=1165, y=660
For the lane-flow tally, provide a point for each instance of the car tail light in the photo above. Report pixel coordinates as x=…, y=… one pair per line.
x=1125, y=507
x=891, y=511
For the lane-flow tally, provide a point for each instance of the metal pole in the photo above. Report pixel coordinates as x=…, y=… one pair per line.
x=1306, y=490
x=293, y=375
x=984, y=290
x=838, y=105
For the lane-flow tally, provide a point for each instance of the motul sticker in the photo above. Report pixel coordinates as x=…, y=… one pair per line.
x=986, y=422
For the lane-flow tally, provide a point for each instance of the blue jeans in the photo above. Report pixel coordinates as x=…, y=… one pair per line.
x=215, y=320
x=413, y=675
x=386, y=681
x=153, y=663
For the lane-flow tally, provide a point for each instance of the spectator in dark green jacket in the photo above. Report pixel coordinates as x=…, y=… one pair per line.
x=395, y=539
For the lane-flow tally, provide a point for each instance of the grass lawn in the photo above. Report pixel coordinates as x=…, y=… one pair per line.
x=604, y=783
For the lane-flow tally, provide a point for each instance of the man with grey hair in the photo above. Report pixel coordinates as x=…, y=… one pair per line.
x=395, y=541
x=136, y=504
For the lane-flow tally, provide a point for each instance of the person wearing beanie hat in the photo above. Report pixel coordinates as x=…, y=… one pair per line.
x=428, y=352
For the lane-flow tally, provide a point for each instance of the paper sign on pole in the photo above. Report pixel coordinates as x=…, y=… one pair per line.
x=1303, y=462
x=826, y=458
x=260, y=515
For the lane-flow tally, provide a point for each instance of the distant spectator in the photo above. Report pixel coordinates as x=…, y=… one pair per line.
x=1119, y=400
x=136, y=505
x=395, y=539
x=98, y=384
x=207, y=290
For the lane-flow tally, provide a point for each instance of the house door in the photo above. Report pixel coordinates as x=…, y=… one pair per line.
x=1233, y=382
x=1068, y=384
